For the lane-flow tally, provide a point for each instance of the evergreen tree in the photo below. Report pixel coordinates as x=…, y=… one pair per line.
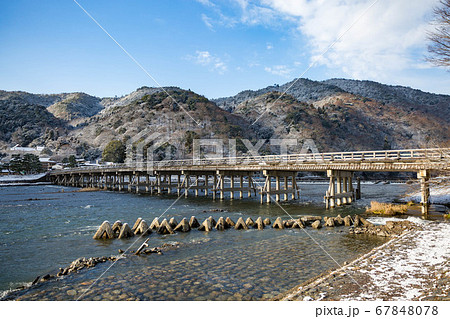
x=114, y=152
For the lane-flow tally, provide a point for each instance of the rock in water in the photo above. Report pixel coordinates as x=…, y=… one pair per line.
x=249, y=222
x=116, y=227
x=213, y=222
x=193, y=222
x=136, y=224
x=104, y=231
x=125, y=231
x=348, y=220
x=183, y=226
x=155, y=224
x=267, y=222
x=259, y=224
x=143, y=229
x=221, y=225
x=278, y=224
x=316, y=224
x=165, y=228
x=206, y=225
x=173, y=223
x=229, y=222
x=330, y=222
x=240, y=224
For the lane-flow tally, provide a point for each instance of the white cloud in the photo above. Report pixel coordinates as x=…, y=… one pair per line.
x=212, y=62
x=207, y=21
x=281, y=70
x=269, y=46
x=385, y=40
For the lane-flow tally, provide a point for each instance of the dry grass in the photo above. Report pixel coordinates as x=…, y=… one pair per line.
x=88, y=189
x=386, y=208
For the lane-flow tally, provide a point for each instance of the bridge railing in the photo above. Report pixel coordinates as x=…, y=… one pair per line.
x=433, y=154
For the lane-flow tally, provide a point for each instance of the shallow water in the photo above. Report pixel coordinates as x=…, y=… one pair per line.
x=54, y=228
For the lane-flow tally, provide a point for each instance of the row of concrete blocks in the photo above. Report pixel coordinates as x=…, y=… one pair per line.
x=123, y=230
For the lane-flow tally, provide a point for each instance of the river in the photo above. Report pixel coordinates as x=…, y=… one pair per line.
x=46, y=227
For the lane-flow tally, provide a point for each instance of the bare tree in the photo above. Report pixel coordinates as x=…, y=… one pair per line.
x=440, y=38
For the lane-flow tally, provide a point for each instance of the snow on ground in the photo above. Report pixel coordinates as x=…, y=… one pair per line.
x=406, y=269
x=439, y=192
x=20, y=178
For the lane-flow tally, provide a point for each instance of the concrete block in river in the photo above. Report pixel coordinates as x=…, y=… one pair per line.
x=308, y=220
x=240, y=224
x=104, y=231
x=212, y=220
x=221, y=225
x=155, y=224
x=278, y=223
x=193, y=222
x=330, y=222
x=356, y=221
x=173, y=222
x=249, y=222
x=165, y=228
x=288, y=223
x=338, y=220
x=365, y=222
x=267, y=222
x=317, y=224
x=136, y=224
x=298, y=224
x=116, y=227
x=206, y=225
x=230, y=222
x=125, y=231
x=259, y=223
x=143, y=229
x=183, y=226
x=348, y=220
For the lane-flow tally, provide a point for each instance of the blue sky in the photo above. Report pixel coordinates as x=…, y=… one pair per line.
x=213, y=47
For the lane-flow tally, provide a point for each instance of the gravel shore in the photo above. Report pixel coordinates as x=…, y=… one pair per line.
x=412, y=266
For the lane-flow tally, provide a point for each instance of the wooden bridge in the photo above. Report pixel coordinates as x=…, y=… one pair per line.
x=277, y=174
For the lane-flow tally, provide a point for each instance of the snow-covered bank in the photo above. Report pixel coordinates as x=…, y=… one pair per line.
x=439, y=192
x=413, y=266
x=21, y=178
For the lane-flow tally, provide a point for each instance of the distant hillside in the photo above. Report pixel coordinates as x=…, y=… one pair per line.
x=76, y=105
x=337, y=114
x=23, y=123
x=303, y=90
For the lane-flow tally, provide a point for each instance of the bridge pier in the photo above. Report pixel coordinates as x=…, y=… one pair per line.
x=280, y=189
x=219, y=179
x=424, y=175
x=340, y=189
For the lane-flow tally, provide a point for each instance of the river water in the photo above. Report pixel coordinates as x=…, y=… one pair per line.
x=46, y=227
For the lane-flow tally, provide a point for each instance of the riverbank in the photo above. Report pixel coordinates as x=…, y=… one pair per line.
x=412, y=266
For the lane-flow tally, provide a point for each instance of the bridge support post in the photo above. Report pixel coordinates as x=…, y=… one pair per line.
x=358, y=188
x=186, y=185
x=214, y=188
x=424, y=176
x=279, y=190
x=232, y=186
x=241, y=186
x=340, y=189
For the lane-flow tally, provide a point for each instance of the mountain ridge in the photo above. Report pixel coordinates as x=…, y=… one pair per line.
x=338, y=114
